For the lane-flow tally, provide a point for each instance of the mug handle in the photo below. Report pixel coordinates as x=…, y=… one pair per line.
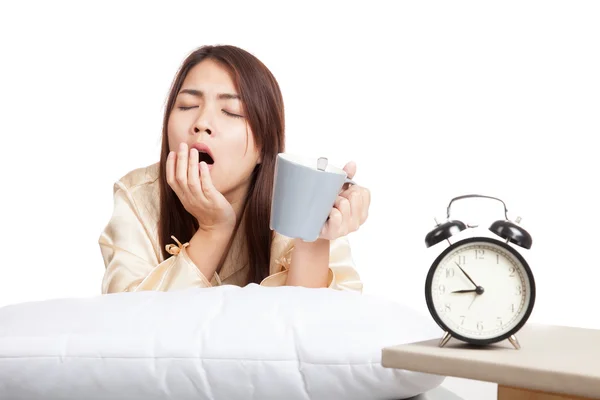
x=322, y=164
x=347, y=183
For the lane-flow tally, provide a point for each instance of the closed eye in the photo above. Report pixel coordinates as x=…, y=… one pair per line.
x=231, y=115
x=184, y=108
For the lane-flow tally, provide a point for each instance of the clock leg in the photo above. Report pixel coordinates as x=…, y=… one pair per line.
x=445, y=339
x=515, y=342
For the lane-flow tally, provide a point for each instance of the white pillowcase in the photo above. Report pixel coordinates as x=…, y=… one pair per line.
x=222, y=342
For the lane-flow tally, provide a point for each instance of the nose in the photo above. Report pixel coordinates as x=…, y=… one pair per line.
x=202, y=123
x=198, y=130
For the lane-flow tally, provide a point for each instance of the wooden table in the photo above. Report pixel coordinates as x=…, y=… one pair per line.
x=553, y=363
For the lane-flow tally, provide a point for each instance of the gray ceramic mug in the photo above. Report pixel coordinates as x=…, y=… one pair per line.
x=304, y=193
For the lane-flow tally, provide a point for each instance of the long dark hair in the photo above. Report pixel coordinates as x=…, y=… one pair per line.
x=263, y=106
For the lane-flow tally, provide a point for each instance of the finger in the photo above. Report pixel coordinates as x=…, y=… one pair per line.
x=208, y=188
x=343, y=205
x=361, y=212
x=181, y=167
x=170, y=170
x=333, y=224
x=356, y=205
x=348, y=192
x=356, y=196
x=193, y=174
x=350, y=169
x=366, y=203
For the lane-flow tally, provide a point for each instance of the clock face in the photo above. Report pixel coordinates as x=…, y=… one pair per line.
x=480, y=290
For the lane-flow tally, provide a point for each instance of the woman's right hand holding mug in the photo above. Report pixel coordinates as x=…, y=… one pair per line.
x=192, y=183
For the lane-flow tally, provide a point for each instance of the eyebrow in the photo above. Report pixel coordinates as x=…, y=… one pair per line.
x=199, y=93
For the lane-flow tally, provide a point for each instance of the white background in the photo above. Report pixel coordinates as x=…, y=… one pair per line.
x=432, y=100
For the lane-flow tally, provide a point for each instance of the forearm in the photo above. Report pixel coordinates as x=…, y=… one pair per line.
x=206, y=249
x=310, y=264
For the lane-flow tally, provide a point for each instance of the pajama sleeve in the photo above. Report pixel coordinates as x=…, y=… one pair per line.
x=342, y=271
x=131, y=257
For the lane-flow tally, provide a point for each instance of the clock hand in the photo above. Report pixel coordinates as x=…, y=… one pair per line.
x=478, y=290
x=467, y=275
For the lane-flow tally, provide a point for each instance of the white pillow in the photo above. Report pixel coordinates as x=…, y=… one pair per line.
x=222, y=342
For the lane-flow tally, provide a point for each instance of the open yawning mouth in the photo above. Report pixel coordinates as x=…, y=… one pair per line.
x=206, y=158
x=204, y=153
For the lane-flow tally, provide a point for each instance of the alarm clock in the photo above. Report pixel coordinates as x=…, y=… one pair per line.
x=480, y=290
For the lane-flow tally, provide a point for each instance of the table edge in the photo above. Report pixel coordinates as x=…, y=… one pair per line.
x=473, y=369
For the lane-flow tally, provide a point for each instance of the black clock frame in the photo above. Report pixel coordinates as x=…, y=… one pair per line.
x=438, y=320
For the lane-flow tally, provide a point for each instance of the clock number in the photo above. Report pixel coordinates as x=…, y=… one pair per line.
x=479, y=325
x=462, y=260
x=442, y=289
x=512, y=272
x=447, y=308
x=499, y=322
x=497, y=259
x=519, y=290
x=462, y=319
x=449, y=272
x=479, y=254
x=512, y=308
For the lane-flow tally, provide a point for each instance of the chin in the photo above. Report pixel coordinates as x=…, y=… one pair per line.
x=223, y=189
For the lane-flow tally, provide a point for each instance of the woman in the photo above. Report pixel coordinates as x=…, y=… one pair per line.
x=222, y=130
